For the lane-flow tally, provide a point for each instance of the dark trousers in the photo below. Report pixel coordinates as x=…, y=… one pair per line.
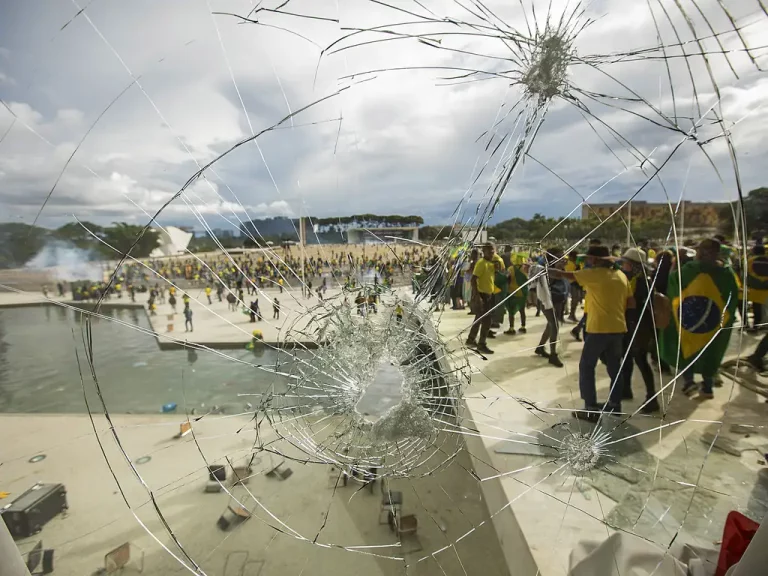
x=757, y=312
x=638, y=354
x=582, y=326
x=609, y=346
x=550, y=331
x=762, y=348
x=513, y=307
x=535, y=300
x=655, y=352
x=483, y=318
x=707, y=382
x=576, y=296
x=500, y=309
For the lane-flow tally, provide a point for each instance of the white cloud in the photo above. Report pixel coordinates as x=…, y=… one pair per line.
x=69, y=115
x=408, y=142
x=25, y=113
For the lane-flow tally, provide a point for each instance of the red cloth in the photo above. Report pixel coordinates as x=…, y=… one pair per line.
x=737, y=534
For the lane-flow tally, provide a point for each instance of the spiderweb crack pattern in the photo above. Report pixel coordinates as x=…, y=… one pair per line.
x=334, y=357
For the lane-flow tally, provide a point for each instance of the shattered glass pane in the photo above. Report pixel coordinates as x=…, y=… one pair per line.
x=324, y=411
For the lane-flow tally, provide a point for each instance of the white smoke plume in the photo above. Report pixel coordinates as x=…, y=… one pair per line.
x=64, y=261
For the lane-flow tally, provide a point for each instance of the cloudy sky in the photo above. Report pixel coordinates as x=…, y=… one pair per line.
x=147, y=91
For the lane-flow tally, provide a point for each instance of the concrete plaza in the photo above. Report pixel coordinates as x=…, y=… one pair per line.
x=659, y=479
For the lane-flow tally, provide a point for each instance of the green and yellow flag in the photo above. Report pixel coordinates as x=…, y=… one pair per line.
x=500, y=283
x=757, y=279
x=517, y=279
x=704, y=300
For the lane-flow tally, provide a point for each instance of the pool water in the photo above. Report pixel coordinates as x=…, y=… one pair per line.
x=39, y=369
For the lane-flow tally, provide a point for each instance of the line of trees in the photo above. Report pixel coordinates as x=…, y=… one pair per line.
x=19, y=243
x=755, y=211
x=573, y=229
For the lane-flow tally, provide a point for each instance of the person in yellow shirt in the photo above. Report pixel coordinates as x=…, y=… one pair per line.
x=208, y=293
x=608, y=293
x=483, y=288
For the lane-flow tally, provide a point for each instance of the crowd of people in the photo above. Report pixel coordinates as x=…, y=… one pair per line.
x=630, y=300
x=676, y=307
x=232, y=277
x=279, y=269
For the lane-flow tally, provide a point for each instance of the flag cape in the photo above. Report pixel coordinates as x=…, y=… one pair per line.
x=500, y=283
x=518, y=279
x=757, y=279
x=704, y=300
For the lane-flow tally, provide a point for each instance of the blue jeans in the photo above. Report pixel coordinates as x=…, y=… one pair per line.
x=609, y=346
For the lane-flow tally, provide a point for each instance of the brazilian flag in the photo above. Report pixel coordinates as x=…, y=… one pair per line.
x=500, y=282
x=757, y=279
x=703, y=300
x=518, y=279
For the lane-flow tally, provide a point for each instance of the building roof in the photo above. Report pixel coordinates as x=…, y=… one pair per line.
x=172, y=241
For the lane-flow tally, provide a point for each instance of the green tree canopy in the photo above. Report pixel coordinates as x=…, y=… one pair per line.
x=19, y=243
x=77, y=234
x=122, y=237
x=755, y=210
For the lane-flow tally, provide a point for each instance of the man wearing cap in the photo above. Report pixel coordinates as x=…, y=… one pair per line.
x=581, y=327
x=607, y=292
x=482, y=298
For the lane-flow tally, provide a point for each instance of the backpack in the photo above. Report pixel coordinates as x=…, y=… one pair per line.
x=662, y=310
x=559, y=290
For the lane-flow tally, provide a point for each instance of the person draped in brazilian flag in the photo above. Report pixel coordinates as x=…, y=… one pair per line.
x=757, y=284
x=500, y=292
x=704, y=296
x=517, y=289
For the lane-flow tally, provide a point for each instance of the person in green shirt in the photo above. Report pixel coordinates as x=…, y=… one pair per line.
x=517, y=288
x=500, y=280
x=483, y=288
